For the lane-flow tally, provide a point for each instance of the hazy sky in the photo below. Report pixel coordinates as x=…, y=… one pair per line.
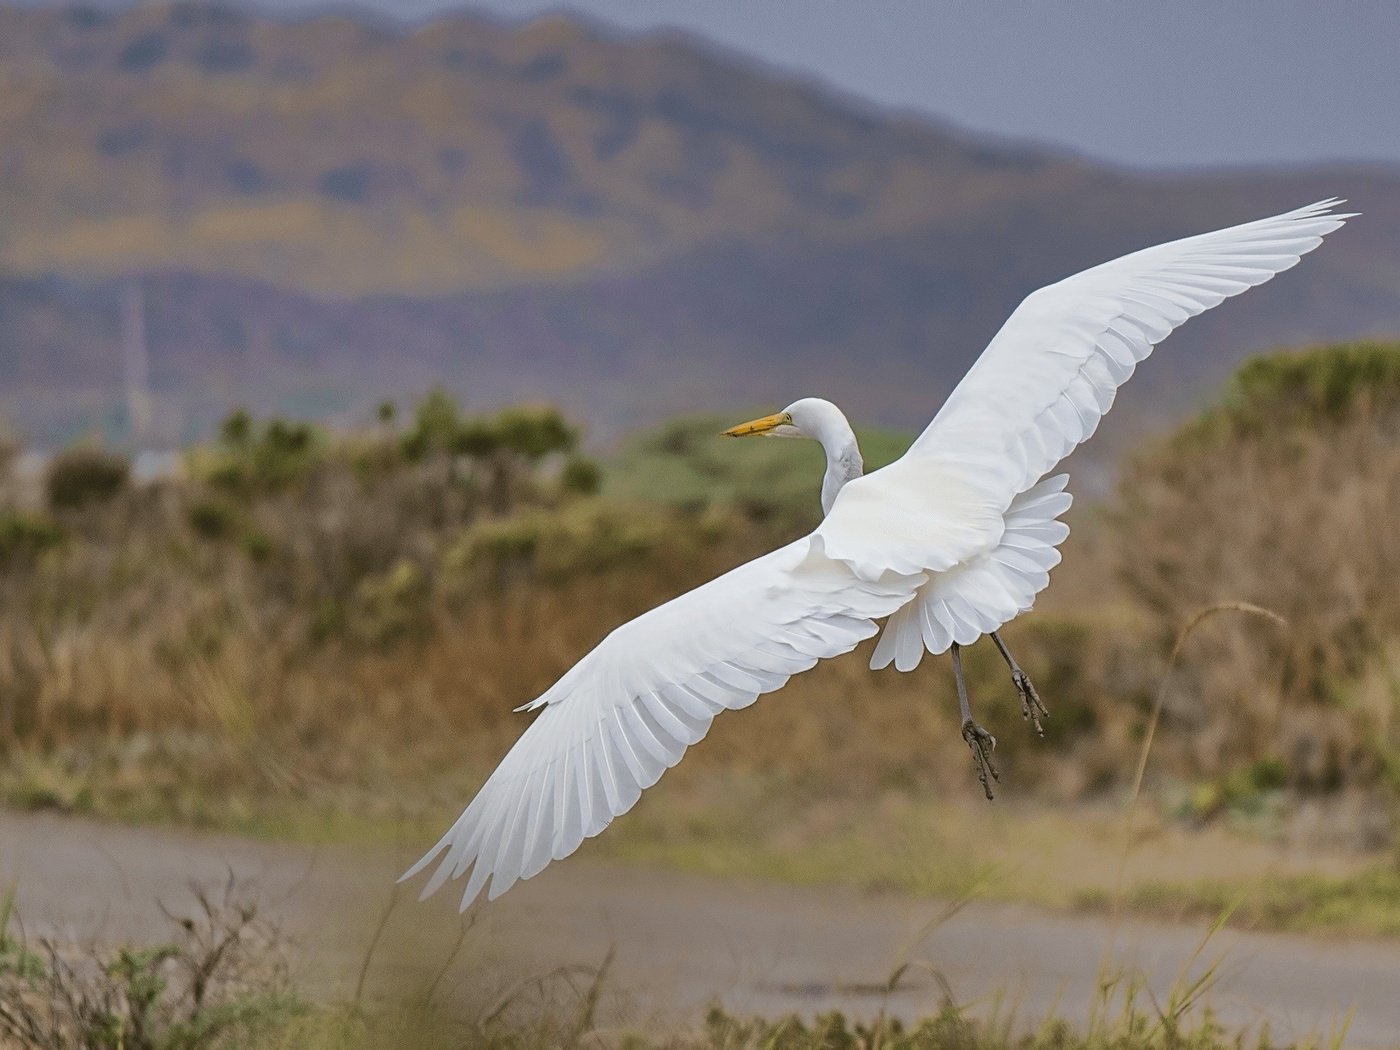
x=1141, y=82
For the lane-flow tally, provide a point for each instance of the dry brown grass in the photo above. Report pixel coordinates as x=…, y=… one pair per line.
x=1304, y=528
x=346, y=625
x=340, y=619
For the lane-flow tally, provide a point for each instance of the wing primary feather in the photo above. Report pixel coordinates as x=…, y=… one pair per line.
x=651, y=767
x=648, y=737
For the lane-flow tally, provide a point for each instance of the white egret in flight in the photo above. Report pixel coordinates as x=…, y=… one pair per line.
x=949, y=542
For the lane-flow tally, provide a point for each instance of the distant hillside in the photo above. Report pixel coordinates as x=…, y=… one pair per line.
x=318, y=213
x=346, y=159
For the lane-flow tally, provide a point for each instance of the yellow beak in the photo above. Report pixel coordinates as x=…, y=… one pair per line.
x=758, y=426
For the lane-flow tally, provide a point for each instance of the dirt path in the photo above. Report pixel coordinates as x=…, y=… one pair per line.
x=683, y=940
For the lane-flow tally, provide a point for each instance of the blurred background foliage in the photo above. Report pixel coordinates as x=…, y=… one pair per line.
x=680, y=464
x=347, y=617
x=1283, y=494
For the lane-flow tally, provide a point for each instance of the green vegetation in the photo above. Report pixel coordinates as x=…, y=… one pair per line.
x=1367, y=902
x=1136, y=1028
x=1303, y=392
x=1281, y=495
x=318, y=634
x=683, y=464
x=220, y=982
x=82, y=476
x=26, y=535
x=290, y=616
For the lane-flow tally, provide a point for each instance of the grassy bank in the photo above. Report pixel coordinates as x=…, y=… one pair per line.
x=317, y=635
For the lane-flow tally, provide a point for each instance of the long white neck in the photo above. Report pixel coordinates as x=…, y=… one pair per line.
x=838, y=441
x=823, y=422
x=843, y=463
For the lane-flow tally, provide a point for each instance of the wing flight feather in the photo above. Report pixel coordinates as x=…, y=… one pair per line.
x=1051, y=372
x=627, y=711
x=1039, y=390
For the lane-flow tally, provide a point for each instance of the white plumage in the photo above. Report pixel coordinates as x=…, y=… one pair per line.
x=987, y=590
x=1047, y=378
x=627, y=711
x=950, y=542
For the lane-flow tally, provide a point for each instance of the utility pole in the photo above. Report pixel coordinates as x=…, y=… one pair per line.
x=136, y=361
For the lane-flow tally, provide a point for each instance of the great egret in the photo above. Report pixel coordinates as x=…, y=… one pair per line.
x=950, y=542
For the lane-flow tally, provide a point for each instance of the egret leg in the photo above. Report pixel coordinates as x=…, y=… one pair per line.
x=1032, y=707
x=978, y=739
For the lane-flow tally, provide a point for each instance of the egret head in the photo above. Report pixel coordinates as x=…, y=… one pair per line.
x=809, y=418
x=824, y=423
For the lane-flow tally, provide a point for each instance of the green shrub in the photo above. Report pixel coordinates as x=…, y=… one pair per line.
x=498, y=544
x=436, y=424
x=553, y=547
x=258, y=545
x=283, y=452
x=17, y=963
x=247, y=459
x=78, y=477
x=685, y=463
x=1280, y=496
x=213, y=519
x=217, y=983
x=391, y=604
x=476, y=438
x=236, y=431
x=534, y=432
x=26, y=535
x=581, y=476
x=1304, y=390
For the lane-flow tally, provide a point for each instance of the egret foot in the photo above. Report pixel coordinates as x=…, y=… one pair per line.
x=1033, y=709
x=982, y=744
x=981, y=741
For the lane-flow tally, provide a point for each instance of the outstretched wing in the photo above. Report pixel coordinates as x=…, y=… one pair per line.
x=628, y=710
x=1038, y=390
x=1051, y=372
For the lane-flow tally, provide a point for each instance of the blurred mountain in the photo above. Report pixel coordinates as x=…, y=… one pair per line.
x=219, y=207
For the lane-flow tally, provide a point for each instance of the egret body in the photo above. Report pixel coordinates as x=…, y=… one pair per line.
x=945, y=545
